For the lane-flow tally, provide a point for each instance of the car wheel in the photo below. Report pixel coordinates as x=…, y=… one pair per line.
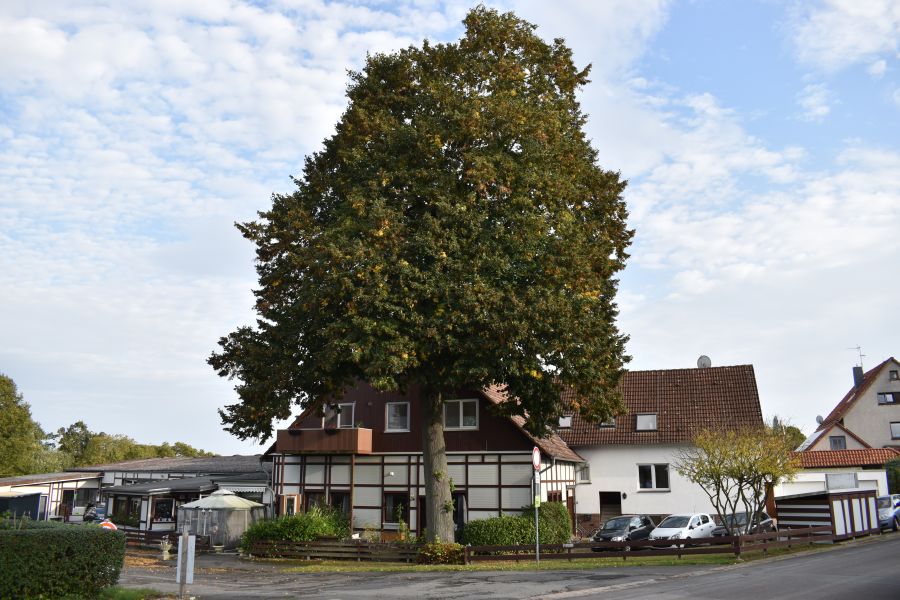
x=896, y=523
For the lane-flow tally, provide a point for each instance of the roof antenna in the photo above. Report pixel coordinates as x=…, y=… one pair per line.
x=861, y=355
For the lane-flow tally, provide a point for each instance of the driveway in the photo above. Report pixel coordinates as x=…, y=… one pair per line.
x=863, y=570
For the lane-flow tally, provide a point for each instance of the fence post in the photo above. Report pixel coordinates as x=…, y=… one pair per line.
x=737, y=546
x=466, y=554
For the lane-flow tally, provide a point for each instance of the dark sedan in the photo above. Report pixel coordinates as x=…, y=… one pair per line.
x=625, y=528
x=738, y=521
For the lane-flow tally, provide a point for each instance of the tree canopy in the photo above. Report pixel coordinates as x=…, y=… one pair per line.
x=20, y=435
x=456, y=230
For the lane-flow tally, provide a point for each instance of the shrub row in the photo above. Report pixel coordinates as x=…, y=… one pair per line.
x=44, y=560
x=439, y=553
x=555, y=527
x=303, y=527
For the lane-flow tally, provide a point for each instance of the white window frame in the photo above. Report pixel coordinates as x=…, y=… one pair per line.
x=341, y=413
x=653, y=487
x=637, y=422
x=584, y=473
x=895, y=430
x=387, y=420
x=459, y=404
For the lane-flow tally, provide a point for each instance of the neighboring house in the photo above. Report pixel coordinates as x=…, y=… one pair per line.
x=839, y=470
x=630, y=460
x=50, y=495
x=146, y=493
x=365, y=459
x=868, y=416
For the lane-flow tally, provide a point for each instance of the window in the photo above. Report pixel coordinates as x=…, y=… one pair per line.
x=610, y=424
x=461, y=414
x=704, y=519
x=565, y=421
x=889, y=398
x=895, y=375
x=340, y=416
x=164, y=509
x=840, y=481
x=584, y=472
x=340, y=501
x=290, y=505
x=397, y=416
x=396, y=507
x=838, y=442
x=646, y=422
x=895, y=431
x=313, y=499
x=653, y=477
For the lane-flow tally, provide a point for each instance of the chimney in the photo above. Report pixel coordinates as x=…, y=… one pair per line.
x=857, y=377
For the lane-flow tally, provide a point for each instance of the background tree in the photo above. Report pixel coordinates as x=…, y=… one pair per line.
x=736, y=468
x=20, y=435
x=455, y=232
x=794, y=436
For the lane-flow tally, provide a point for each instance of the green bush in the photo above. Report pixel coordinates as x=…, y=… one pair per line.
x=53, y=560
x=304, y=527
x=555, y=526
x=438, y=553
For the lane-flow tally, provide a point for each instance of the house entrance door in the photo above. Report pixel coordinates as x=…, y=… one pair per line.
x=610, y=506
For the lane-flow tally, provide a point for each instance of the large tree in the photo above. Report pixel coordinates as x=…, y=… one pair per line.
x=455, y=231
x=21, y=438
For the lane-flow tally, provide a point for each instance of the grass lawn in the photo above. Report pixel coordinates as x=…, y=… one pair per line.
x=634, y=560
x=120, y=593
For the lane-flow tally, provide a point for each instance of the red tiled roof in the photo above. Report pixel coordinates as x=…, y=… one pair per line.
x=846, y=458
x=552, y=445
x=685, y=402
x=850, y=398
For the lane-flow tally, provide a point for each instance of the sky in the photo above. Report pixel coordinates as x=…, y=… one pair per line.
x=761, y=142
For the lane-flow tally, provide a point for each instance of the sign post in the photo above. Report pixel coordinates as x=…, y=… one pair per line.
x=536, y=463
x=186, y=549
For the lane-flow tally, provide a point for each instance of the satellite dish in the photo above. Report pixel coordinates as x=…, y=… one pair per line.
x=703, y=362
x=819, y=419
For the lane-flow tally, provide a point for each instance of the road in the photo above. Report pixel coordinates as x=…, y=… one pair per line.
x=864, y=571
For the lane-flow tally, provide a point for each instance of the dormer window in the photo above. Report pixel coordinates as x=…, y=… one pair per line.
x=565, y=421
x=338, y=417
x=646, y=422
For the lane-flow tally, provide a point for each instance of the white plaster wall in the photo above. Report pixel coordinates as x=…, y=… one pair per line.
x=814, y=481
x=872, y=421
x=615, y=469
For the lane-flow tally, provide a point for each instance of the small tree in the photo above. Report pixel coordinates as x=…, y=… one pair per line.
x=736, y=468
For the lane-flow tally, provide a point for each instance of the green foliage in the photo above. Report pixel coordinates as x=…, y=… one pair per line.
x=439, y=553
x=893, y=476
x=51, y=560
x=20, y=436
x=303, y=527
x=506, y=530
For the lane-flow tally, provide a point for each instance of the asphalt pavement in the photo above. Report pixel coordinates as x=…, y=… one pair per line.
x=865, y=570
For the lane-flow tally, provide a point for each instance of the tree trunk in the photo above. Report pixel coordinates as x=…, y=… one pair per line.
x=438, y=500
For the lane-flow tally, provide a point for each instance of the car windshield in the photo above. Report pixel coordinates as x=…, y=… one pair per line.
x=674, y=521
x=620, y=523
x=884, y=502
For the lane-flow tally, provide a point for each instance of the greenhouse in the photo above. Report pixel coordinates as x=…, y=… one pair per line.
x=223, y=516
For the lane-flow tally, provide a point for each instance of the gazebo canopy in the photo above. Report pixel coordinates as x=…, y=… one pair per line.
x=222, y=499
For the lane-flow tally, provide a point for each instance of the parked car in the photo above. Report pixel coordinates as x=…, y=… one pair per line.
x=684, y=526
x=624, y=528
x=889, y=511
x=738, y=523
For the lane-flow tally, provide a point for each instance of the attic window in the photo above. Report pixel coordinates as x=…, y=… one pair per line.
x=894, y=375
x=889, y=398
x=646, y=422
x=610, y=424
x=565, y=421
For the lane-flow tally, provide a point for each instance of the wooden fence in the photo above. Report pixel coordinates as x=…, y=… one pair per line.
x=139, y=538
x=711, y=545
x=331, y=549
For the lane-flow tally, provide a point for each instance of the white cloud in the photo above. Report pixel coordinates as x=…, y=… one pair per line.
x=877, y=69
x=814, y=101
x=832, y=34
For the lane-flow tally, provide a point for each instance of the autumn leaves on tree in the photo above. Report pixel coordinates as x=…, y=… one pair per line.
x=456, y=231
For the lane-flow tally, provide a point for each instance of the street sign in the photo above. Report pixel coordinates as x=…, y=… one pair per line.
x=536, y=458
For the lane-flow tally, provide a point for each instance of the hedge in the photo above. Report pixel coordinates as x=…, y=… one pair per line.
x=51, y=560
x=303, y=527
x=555, y=527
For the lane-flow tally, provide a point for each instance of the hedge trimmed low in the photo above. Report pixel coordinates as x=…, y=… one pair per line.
x=555, y=526
x=42, y=560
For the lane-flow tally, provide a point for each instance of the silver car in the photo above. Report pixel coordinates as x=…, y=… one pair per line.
x=889, y=512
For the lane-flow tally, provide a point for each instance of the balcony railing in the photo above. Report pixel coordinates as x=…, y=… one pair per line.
x=355, y=440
